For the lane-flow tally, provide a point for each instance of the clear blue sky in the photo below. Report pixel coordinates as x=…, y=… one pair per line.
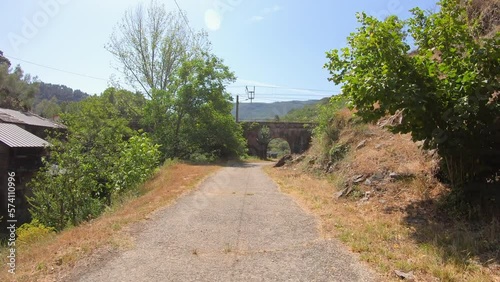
x=276, y=45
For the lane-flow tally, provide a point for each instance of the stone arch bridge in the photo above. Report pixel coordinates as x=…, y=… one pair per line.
x=297, y=134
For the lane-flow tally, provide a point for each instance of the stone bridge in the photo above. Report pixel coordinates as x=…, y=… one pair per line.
x=297, y=134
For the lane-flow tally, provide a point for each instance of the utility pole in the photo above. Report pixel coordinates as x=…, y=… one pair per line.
x=250, y=93
x=237, y=108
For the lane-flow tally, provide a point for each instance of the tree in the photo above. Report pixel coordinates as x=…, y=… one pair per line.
x=17, y=89
x=99, y=158
x=194, y=114
x=129, y=105
x=151, y=44
x=48, y=108
x=263, y=138
x=447, y=89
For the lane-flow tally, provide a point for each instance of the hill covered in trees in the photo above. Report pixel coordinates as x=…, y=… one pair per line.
x=52, y=99
x=269, y=111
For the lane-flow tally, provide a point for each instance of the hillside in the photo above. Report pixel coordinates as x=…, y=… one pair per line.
x=52, y=99
x=380, y=194
x=62, y=93
x=269, y=111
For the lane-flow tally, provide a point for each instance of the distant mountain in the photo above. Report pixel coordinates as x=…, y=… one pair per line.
x=269, y=111
x=308, y=113
x=53, y=99
x=62, y=93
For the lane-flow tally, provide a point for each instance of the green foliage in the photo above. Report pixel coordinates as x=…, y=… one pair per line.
x=279, y=146
x=194, y=115
x=263, y=138
x=129, y=105
x=33, y=231
x=66, y=189
x=447, y=89
x=48, y=108
x=99, y=157
x=137, y=161
x=17, y=90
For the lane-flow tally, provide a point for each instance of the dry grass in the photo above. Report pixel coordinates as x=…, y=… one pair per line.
x=398, y=225
x=50, y=259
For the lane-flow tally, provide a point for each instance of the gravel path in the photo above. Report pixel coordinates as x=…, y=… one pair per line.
x=237, y=226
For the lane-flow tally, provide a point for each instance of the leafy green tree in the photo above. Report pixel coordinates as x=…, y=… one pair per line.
x=17, y=89
x=63, y=189
x=194, y=115
x=447, y=89
x=48, y=108
x=129, y=105
x=263, y=138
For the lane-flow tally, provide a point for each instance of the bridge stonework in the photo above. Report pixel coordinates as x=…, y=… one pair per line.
x=297, y=134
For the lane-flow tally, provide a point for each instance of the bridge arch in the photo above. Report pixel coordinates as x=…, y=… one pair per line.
x=297, y=134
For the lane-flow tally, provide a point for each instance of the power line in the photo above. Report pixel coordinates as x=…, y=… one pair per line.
x=56, y=69
x=284, y=87
x=184, y=17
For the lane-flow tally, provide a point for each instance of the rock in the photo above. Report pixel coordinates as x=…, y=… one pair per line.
x=361, y=144
x=299, y=159
x=405, y=275
x=358, y=178
x=328, y=166
x=366, y=198
x=399, y=176
x=378, y=176
x=368, y=182
x=394, y=175
x=344, y=193
x=378, y=146
x=283, y=160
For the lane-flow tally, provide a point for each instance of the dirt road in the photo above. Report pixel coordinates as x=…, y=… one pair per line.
x=237, y=226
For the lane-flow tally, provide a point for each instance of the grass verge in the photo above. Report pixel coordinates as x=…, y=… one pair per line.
x=392, y=239
x=54, y=256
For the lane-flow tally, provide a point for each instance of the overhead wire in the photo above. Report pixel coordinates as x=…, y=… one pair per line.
x=185, y=18
x=56, y=69
x=262, y=96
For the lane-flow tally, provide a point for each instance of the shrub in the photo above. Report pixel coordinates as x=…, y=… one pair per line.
x=33, y=231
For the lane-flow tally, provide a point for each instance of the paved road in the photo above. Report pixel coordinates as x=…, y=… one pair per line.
x=236, y=227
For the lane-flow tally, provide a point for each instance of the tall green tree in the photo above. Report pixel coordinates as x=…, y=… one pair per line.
x=194, y=114
x=17, y=89
x=447, y=89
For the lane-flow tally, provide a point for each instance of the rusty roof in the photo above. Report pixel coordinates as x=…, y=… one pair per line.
x=16, y=137
x=12, y=116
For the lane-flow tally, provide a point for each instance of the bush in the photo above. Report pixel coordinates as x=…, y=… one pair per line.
x=33, y=231
x=137, y=162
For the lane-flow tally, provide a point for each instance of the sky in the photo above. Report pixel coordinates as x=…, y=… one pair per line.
x=276, y=46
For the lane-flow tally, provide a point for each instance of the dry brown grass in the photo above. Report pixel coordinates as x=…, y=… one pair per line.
x=400, y=226
x=50, y=259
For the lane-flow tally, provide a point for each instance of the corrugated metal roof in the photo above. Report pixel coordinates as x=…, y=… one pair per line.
x=12, y=116
x=16, y=137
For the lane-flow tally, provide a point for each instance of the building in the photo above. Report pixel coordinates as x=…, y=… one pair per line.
x=22, y=145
